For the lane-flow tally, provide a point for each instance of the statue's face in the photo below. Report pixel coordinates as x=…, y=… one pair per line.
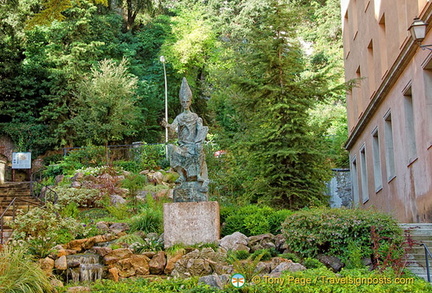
x=186, y=103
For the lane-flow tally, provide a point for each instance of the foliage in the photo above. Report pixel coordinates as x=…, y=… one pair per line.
x=312, y=263
x=119, y=211
x=333, y=231
x=83, y=197
x=149, y=156
x=148, y=221
x=139, y=284
x=265, y=108
x=19, y=273
x=134, y=182
x=42, y=228
x=252, y=220
x=106, y=109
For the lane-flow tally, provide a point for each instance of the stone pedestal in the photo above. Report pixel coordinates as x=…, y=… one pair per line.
x=191, y=223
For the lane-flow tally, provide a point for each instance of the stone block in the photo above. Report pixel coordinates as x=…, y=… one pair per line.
x=191, y=223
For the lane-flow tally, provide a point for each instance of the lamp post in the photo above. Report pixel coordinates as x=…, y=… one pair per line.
x=162, y=59
x=418, y=32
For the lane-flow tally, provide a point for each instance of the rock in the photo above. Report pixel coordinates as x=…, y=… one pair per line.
x=263, y=267
x=157, y=263
x=216, y=281
x=198, y=263
x=162, y=193
x=75, y=184
x=103, y=226
x=47, y=265
x=287, y=266
x=102, y=251
x=331, y=262
x=78, y=289
x=171, y=261
x=280, y=243
x=262, y=241
x=58, y=179
x=80, y=244
x=56, y=283
x=136, y=265
x=113, y=274
x=235, y=241
x=118, y=227
x=116, y=199
x=61, y=263
x=116, y=255
x=149, y=254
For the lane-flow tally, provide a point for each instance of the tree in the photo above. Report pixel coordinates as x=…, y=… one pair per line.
x=276, y=151
x=106, y=107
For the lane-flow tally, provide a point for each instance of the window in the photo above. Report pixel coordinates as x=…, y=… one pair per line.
x=409, y=125
x=428, y=91
x=364, y=178
x=376, y=160
x=354, y=180
x=389, y=151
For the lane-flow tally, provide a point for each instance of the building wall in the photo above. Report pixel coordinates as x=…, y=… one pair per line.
x=393, y=96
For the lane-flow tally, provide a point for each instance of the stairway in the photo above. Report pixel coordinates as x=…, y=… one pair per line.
x=420, y=233
x=23, y=201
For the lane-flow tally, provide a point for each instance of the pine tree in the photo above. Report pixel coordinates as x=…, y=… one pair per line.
x=277, y=155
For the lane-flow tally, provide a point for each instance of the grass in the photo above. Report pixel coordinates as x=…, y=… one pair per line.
x=18, y=273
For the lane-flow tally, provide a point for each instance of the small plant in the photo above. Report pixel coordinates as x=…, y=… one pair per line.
x=290, y=256
x=149, y=221
x=134, y=182
x=70, y=210
x=119, y=211
x=247, y=267
x=312, y=263
x=18, y=273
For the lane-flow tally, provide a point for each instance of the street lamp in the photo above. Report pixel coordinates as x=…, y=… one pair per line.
x=162, y=59
x=418, y=32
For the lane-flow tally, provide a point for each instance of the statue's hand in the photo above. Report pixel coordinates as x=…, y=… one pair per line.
x=164, y=123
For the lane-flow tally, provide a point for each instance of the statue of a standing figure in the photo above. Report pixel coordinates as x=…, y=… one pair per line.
x=188, y=158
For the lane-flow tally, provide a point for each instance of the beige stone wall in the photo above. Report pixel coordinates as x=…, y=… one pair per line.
x=393, y=70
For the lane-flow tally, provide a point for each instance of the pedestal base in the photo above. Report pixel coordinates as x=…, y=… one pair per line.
x=191, y=223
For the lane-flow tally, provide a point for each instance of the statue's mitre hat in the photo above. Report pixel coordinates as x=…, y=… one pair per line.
x=185, y=91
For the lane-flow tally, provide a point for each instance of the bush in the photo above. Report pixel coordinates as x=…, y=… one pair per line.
x=330, y=231
x=252, y=220
x=150, y=221
x=18, y=273
x=83, y=197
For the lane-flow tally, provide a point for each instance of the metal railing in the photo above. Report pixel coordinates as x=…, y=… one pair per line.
x=41, y=191
x=12, y=205
x=427, y=255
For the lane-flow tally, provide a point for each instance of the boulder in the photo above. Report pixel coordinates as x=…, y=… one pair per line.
x=118, y=227
x=113, y=274
x=235, y=241
x=116, y=255
x=331, y=262
x=200, y=263
x=61, y=263
x=136, y=265
x=262, y=241
x=116, y=199
x=157, y=263
x=171, y=261
x=103, y=226
x=286, y=266
x=216, y=281
x=47, y=265
x=102, y=251
x=80, y=244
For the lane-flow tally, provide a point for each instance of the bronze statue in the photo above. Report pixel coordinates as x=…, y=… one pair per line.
x=188, y=157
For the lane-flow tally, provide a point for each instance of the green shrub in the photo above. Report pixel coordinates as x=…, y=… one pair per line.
x=130, y=166
x=149, y=221
x=312, y=263
x=290, y=256
x=119, y=211
x=134, y=182
x=252, y=220
x=330, y=231
x=18, y=273
x=83, y=197
x=70, y=210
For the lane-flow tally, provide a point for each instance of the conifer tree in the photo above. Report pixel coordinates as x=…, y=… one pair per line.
x=277, y=155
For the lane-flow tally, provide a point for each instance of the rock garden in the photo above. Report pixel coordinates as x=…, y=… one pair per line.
x=104, y=233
